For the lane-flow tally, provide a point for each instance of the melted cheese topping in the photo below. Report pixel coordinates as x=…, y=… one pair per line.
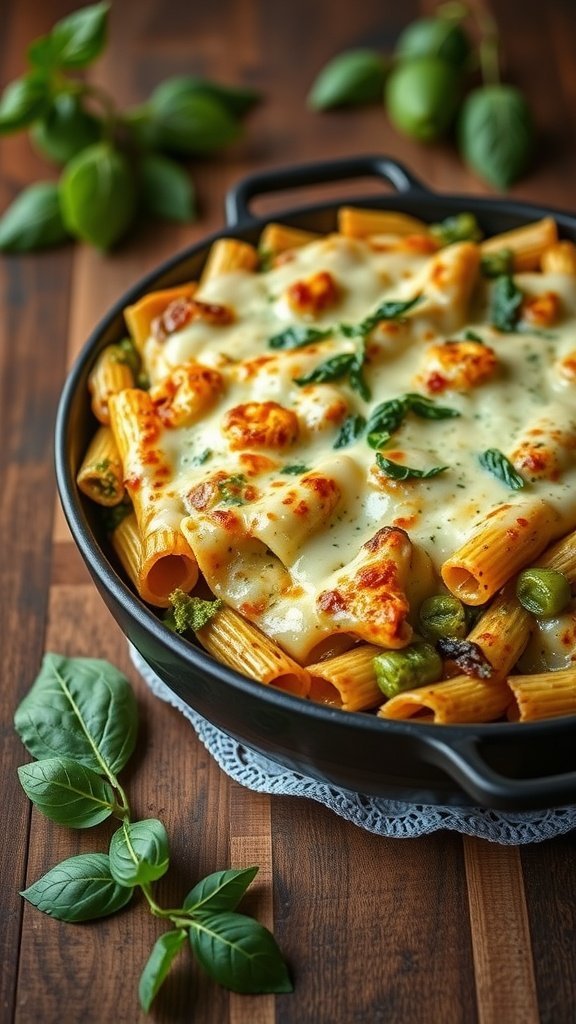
x=246, y=470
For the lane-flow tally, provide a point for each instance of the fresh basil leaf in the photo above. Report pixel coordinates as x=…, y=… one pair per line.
x=237, y=100
x=379, y=439
x=298, y=337
x=505, y=304
x=67, y=792
x=239, y=953
x=64, y=129
x=385, y=419
x=81, y=36
x=22, y=102
x=356, y=376
x=496, y=463
x=397, y=471
x=494, y=264
x=139, y=852
x=43, y=54
x=438, y=35
x=98, y=195
x=166, y=189
x=496, y=134
x=332, y=369
x=164, y=952
x=78, y=889
x=33, y=220
x=190, y=124
x=351, y=78
x=426, y=409
x=221, y=890
x=189, y=612
x=352, y=428
x=461, y=228
x=82, y=707
x=391, y=309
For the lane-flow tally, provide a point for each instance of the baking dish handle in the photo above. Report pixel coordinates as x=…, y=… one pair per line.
x=463, y=760
x=239, y=197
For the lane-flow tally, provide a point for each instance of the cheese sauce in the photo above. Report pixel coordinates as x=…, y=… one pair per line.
x=511, y=392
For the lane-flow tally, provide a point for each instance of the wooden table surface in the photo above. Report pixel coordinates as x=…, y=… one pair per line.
x=440, y=929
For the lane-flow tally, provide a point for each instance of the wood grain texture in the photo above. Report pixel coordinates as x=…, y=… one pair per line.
x=432, y=931
x=503, y=965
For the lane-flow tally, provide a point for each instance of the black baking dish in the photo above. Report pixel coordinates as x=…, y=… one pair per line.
x=509, y=766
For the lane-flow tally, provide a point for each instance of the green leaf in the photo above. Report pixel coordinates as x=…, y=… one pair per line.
x=384, y=420
x=67, y=792
x=397, y=471
x=496, y=463
x=139, y=852
x=221, y=890
x=22, y=102
x=298, y=337
x=505, y=304
x=164, y=951
x=166, y=189
x=434, y=36
x=79, y=889
x=64, y=129
x=237, y=100
x=98, y=195
x=33, y=220
x=496, y=134
x=42, y=54
x=80, y=37
x=351, y=78
x=334, y=368
x=350, y=431
x=427, y=409
x=190, y=612
x=391, y=309
x=83, y=708
x=190, y=124
x=239, y=953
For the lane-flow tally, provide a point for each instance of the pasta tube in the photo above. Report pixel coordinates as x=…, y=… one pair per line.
x=100, y=475
x=347, y=681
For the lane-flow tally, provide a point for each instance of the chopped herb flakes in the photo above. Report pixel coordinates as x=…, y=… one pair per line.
x=232, y=489
x=189, y=613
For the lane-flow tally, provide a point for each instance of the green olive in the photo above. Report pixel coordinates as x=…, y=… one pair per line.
x=421, y=96
x=434, y=37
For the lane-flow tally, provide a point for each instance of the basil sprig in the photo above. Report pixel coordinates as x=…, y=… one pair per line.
x=496, y=463
x=389, y=416
x=118, y=165
x=397, y=471
x=80, y=721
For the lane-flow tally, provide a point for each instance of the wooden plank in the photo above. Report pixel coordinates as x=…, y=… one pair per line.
x=500, y=931
x=374, y=928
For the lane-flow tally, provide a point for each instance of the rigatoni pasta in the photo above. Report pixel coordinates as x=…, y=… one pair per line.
x=338, y=428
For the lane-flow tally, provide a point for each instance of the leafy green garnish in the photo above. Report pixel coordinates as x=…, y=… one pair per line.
x=496, y=463
x=391, y=309
x=79, y=720
x=201, y=458
x=505, y=304
x=399, y=472
x=112, y=516
x=298, y=337
x=295, y=469
x=495, y=264
x=189, y=613
x=461, y=228
x=470, y=335
x=352, y=428
x=389, y=416
x=347, y=364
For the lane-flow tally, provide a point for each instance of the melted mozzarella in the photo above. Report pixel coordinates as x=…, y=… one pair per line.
x=438, y=513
